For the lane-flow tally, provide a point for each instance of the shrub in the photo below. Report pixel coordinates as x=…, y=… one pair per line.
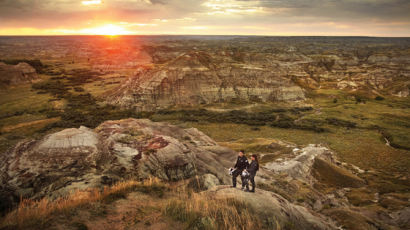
x=379, y=98
x=56, y=88
x=340, y=122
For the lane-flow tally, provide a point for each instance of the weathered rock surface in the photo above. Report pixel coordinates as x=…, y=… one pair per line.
x=315, y=163
x=192, y=76
x=312, y=177
x=196, y=78
x=16, y=74
x=115, y=150
x=274, y=208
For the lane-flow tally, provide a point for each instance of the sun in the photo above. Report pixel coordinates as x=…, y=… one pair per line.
x=91, y=2
x=110, y=30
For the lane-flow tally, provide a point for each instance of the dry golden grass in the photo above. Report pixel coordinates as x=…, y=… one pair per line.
x=35, y=213
x=181, y=204
x=10, y=128
x=203, y=212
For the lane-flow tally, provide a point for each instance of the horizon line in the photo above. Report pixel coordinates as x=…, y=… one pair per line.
x=226, y=35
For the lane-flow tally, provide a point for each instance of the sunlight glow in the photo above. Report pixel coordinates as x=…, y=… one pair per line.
x=109, y=29
x=91, y=2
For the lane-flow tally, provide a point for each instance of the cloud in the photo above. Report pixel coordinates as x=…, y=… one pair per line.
x=343, y=9
x=350, y=17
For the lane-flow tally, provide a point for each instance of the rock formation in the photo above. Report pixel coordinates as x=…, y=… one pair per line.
x=315, y=179
x=274, y=208
x=196, y=78
x=315, y=163
x=115, y=150
x=214, y=74
x=16, y=74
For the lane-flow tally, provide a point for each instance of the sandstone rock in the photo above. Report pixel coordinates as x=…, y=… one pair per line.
x=316, y=164
x=205, y=75
x=299, y=166
x=194, y=78
x=115, y=150
x=16, y=74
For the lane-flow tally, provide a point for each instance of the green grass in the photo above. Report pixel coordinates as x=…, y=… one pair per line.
x=361, y=147
x=26, y=117
x=22, y=100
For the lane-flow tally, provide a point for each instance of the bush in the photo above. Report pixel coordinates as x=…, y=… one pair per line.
x=340, y=122
x=56, y=88
x=274, y=117
x=83, y=76
x=379, y=98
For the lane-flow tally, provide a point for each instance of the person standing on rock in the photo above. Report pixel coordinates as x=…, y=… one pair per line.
x=241, y=164
x=252, y=169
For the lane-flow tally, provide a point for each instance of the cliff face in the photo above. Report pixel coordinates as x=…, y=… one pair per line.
x=16, y=74
x=256, y=74
x=196, y=78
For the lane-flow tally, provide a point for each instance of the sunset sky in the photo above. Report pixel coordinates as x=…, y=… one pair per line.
x=238, y=17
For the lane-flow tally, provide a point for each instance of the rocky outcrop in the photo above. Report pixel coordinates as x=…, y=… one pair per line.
x=116, y=150
x=195, y=78
x=274, y=209
x=313, y=178
x=16, y=74
x=315, y=164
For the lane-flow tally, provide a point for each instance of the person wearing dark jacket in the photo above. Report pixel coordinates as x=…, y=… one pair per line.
x=241, y=164
x=252, y=169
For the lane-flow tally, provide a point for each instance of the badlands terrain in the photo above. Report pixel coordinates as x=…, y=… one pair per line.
x=138, y=132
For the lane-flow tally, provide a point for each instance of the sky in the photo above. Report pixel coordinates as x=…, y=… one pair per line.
x=206, y=17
